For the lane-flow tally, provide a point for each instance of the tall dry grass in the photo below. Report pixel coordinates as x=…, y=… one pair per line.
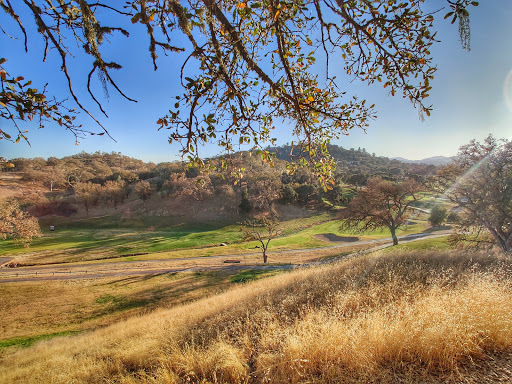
x=397, y=317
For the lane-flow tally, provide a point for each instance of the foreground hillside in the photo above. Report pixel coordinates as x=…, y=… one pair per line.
x=389, y=317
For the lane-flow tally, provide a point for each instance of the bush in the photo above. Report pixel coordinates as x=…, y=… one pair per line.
x=288, y=194
x=437, y=215
x=453, y=217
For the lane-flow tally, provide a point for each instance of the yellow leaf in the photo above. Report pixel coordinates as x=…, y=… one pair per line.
x=277, y=15
x=241, y=5
x=310, y=98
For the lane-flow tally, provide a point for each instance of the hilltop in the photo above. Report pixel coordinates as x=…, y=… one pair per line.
x=435, y=160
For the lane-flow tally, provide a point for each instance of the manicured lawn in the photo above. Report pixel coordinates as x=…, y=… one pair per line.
x=113, y=239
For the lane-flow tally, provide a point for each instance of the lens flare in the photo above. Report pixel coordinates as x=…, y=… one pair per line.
x=507, y=91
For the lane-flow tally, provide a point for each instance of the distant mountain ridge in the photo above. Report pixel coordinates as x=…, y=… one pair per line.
x=434, y=160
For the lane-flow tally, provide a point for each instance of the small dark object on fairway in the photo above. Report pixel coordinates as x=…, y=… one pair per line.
x=52, y=228
x=232, y=261
x=335, y=238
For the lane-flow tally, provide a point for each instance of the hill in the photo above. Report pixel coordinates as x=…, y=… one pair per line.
x=388, y=317
x=106, y=183
x=435, y=160
x=355, y=166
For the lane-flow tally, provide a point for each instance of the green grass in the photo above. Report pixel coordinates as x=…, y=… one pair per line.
x=114, y=239
x=28, y=341
x=103, y=235
x=252, y=274
x=438, y=243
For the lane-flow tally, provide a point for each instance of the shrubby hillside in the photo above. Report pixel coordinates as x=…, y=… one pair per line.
x=86, y=181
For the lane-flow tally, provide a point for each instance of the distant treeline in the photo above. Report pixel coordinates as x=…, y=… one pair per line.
x=109, y=178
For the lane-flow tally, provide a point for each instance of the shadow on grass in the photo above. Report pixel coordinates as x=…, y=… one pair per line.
x=438, y=228
x=179, y=288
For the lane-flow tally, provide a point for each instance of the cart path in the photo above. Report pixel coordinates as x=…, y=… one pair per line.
x=161, y=266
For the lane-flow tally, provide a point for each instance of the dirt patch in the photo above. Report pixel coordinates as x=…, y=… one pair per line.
x=332, y=238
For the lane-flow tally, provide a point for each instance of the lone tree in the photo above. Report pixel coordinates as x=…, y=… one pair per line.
x=262, y=230
x=381, y=204
x=482, y=188
x=17, y=224
x=246, y=64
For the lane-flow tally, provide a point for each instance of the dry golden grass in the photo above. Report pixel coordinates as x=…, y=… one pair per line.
x=414, y=317
x=31, y=309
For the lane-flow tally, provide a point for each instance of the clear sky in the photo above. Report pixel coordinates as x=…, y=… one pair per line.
x=472, y=95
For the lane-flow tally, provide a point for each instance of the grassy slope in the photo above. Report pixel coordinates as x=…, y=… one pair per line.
x=408, y=317
x=43, y=309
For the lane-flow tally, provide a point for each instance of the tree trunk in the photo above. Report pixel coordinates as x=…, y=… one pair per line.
x=264, y=256
x=393, y=235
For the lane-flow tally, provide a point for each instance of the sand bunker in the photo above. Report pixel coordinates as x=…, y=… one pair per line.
x=331, y=237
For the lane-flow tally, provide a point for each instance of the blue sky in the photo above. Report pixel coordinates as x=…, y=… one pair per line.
x=469, y=96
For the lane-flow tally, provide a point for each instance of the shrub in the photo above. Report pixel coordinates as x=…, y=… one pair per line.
x=437, y=216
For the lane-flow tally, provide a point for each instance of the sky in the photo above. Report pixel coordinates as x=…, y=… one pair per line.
x=471, y=95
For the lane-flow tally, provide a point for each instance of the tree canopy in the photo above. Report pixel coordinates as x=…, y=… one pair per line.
x=480, y=183
x=381, y=204
x=17, y=224
x=246, y=64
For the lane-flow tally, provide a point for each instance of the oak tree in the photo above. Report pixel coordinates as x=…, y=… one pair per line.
x=87, y=194
x=17, y=224
x=381, y=204
x=247, y=65
x=262, y=230
x=143, y=190
x=482, y=190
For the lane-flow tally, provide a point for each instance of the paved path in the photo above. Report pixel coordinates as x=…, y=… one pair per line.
x=160, y=266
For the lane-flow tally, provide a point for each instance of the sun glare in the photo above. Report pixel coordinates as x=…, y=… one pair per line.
x=507, y=91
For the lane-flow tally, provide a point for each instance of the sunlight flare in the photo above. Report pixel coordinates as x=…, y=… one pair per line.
x=507, y=91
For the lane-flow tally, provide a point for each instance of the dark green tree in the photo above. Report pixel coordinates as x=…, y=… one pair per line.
x=437, y=215
x=245, y=204
x=288, y=194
